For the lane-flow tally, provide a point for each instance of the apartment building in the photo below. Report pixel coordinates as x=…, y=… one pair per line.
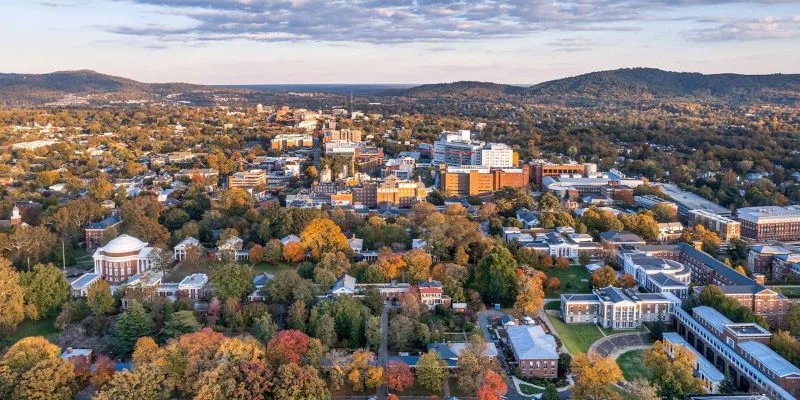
x=727, y=228
x=617, y=308
x=248, y=179
x=471, y=181
x=770, y=223
x=288, y=141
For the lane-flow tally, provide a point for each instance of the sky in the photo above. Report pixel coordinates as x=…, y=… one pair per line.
x=395, y=41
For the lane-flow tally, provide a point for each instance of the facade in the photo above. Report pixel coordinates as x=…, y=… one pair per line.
x=534, y=350
x=471, y=181
x=760, y=258
x=770, y=223
x=555, y=245
x=617, y=308
x=786, y=266
x=122, y=258
x=248, y=179
x=543, y=169
x=288, y=141
x=350, y=135
x=725, y=227
x=431, y=293
x=669, y=231
x=766, y=303
x=181, y=249
x=658, y=275
x=93, y=232
x=458, y=149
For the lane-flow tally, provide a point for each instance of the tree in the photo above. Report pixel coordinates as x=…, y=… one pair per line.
x=27, y=352
x=264, y=328
x=708, y=238
x=793, y=320
x=27, y=243
x=322, y=236
x=325, y=330
x=727, y=386
x=665, y=212
x=145, y=352
x=372, y=332
x=674, y=376
x=640, y=389
x=287, y=287
x=48, y=379
x=294, y=382
x=272, y=251
x=390, y=263
x=294, y=251
x=101, y=189
x=398, y=376
x=232, y=313
x=471, y=365
x=550, y=392
x=289, y=346
x=256, y=254
x=237, y=381
x=493, y=386
x=104, y=369
x=627, y=281
x=530, y=296
x=786, y=345
x=642, y=224
x=296, y=318
x=418, y=264
x=497, y=277
x=431, y=372
x=131, y=325
x=400, y=332
x=232, y=280
x=362, y=373
x=604, y=277
x=12, y=302
x=46, y=289
x=552, y=284
x=181, y=322
x=100, y=299
x=141, y=383
x=594, y=376
x=562, y=262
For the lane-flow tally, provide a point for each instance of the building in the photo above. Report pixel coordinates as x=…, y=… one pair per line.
x=205, y=173
x=350, y=135
x=617, y=308
x=658, y=275
x=193, y=287
x=231, y=249
x=93, y=232
x=458, y=149
x=623, y=238
x=649, y=201
x=251, y=179
x=497, y=155
x=786, y=266
x=543, y=169
x=402, y=168
x=760, y=258
x=345, y=285
x=289, y=141
x=431, y=293
x=688, y=201
x=764, y=302
x=122, y=258
x=399, y=193
x=534, y=350
x=669, y=231
x=472, y=181
x=770, y=223
x=725, y=227
x=182, y=249
x=703, y=369
x=528, y=218
x=80, y=287
x=555, y=245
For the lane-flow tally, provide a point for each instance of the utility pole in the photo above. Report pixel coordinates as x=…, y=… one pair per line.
x=63, y=258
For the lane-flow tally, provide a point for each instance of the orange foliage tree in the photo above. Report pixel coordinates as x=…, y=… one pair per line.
x=493, y=387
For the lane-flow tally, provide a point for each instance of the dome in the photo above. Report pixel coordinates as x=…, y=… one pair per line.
x=123, y=244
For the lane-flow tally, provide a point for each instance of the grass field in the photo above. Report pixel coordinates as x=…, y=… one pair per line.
x=529, y=390
x=273, y=268
x=553, y=305
x=632, y=365
x=574, y=279
x=576, y=337
x=790, y=292
x=42, y=327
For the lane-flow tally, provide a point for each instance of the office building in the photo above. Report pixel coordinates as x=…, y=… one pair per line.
x=725, y=227
x=770, y=223
x=248, y=179
x=458, y=149
x=471, y=181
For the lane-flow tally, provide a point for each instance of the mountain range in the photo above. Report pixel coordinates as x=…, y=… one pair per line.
x=622, y=86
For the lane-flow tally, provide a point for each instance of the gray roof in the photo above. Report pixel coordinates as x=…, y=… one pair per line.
x=579, y=297
x=530, y=342
x=771, y=360
x=346, y=282
x=712, y=316
x=621, y=237
x=663, y=279
x=716, y=265
x=110, y=220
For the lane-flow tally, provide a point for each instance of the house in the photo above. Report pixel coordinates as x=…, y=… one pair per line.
x=431, y=293
x=259, y=293
x=534, y=350
x=230, y=249
x=290, y=239
x=346, y=285
x=528, y=218
x=356, y=244
x=194, y=286
x=93, y=232
x=181, y=249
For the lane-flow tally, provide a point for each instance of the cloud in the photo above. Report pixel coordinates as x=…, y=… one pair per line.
x=572, y=44
x=395, y=21
x=767, y=28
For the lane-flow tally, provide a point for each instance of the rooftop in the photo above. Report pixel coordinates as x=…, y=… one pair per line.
x=531, y=342
x=712, y=316
x=769, y=358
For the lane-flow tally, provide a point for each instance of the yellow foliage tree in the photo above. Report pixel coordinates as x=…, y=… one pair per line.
x=530, y=297
x=594, y=376
x=322, y=236
x=390, y=263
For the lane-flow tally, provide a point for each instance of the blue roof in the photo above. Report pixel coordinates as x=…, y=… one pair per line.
x=771, y=360
x=712, y=316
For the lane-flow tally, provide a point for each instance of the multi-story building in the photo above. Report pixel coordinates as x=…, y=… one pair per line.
x=400, y=193
x=471, y=181
x=288, y=141
x=498, y=155
x=617, y=308
x=458, y=149
x=431, y=294
x=658, y=275
x=542, y=169
x=367, y=159
x=770, y=223
x=350, y=135
x=122, y=258
x=182, y=249
x=93, y=232
x=759, y=258
x=193, y=287
x=534, y=350
x=555, y=245
x=688, y=201
x=725, y=227
x=402, y=168
x=248, y=179
x=650, y=201
x=764, y=302
x=786, y=266
x=703, y=369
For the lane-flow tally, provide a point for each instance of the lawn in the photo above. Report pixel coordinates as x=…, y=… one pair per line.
x=553, y=305
x=576, y=337
x=610, y=331
x=273, y=268
x=574, y=279
x=790, y=292
x=42, y=327
x=632, y=365
x=529, y=390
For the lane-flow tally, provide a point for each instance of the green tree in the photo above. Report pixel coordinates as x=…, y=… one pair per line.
x=181, y=322
x=232, y=280
x=134, y=323
x=727, y=386
x=674, y=376
x=46, y=289
x=431, y=372
x=100, y=299
x=372, y=332
x=296, y=318
x=264, y=328
x=550, y=392
x=497, y=277
x=325, y=330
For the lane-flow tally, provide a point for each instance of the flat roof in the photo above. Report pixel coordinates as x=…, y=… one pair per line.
x=691, y=201
x=712, y=316
x=769, y=358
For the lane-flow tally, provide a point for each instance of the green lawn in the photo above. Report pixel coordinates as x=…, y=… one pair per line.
x=574, y=279
x=273, y=268
x=553, y=305
x=576, y=337
x=632, y=365
x=42, y=327
x=529, y=390
x=610, y=331
x=790, y=292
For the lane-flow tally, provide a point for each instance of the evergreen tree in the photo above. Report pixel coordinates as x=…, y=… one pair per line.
x=550, y=392
x=727, y=386
x=134, y=323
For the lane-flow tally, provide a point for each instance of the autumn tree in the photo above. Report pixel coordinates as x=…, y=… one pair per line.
x=104, y=369
x=431, y=372
x=627, y=281
x=27, y=352
x=145, y=352
x=673, y=375
x=322, y=236
x=256, y=254
x=398, y=376
x=273, y=250
x=143, y=383
x=471, y=365
x=48, y=379
x=604, y=277
x=493, y=387
x=640, y=389
x=100, y=299
x=295, y=382
x=418, y=264
x=12, y=302
x=390, y=263
x=294, y=251
x=530, y=296
x=552, y=284
x=594, y=376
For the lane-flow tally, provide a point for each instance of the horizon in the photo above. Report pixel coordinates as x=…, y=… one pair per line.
x=234, y=42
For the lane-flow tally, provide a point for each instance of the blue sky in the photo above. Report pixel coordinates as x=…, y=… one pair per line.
x=395, y=41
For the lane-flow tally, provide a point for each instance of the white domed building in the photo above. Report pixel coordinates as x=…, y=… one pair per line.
x=122, y=258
